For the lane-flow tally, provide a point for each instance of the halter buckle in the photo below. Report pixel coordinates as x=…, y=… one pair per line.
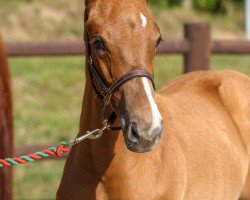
x=107, y=99
x=106, y=123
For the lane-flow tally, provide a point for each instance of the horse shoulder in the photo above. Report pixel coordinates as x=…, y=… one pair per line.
x=207, y=113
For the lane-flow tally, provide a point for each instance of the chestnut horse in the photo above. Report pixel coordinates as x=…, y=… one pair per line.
x=5, y=125
x=204, y=140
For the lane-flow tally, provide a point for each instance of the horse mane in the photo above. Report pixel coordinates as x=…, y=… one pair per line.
x=6, y=123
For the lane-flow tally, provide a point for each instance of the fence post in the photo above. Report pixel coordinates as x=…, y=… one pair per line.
x=198, y=37
x=6, y=133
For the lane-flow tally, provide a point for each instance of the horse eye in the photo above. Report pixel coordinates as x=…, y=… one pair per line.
x=158, y=42
x=98, y=44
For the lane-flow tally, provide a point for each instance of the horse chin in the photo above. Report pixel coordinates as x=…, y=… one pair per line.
x=139, y=148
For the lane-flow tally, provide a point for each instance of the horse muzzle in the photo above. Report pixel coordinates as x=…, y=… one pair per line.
x=140, y=137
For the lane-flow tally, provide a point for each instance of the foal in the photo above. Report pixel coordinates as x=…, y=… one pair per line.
x=204, y=141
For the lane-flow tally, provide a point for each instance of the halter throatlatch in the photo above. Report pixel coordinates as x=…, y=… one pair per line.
x=104, y=91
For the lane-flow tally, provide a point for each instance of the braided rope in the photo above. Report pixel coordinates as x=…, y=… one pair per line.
x=62, y=148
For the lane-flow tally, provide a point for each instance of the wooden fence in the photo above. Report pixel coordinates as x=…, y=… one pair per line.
x=196, y=47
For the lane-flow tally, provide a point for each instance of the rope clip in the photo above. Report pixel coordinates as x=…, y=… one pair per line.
x=93, y=135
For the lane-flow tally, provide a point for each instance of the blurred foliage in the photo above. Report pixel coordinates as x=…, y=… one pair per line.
x=210, y=5
x=166, y=3
x=214, y=6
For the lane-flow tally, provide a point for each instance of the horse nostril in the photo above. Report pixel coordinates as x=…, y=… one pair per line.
x=133, y=133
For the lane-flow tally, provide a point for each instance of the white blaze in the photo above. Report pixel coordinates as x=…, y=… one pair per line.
x=144, y=20
x=156, y=116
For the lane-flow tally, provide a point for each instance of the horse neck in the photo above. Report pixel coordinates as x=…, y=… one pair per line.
x=99, y=151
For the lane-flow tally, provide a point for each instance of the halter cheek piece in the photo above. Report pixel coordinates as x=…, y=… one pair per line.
x=104, y=91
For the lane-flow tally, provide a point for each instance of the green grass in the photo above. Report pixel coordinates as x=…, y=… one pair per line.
x=233, y=62
x=47, y=103
x=37, y=180
x=46, y=93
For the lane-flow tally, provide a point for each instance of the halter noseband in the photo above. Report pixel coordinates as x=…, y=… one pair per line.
x=104, y=91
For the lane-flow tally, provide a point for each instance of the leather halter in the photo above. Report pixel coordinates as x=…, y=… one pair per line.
x=104, y=91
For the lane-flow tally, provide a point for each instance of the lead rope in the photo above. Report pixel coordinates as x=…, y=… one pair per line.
x=62, y=148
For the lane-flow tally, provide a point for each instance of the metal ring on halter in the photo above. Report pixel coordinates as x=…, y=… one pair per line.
x=106, y=99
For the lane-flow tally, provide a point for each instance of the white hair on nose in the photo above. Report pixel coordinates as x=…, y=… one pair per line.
x=156, y=116
x=144, y=20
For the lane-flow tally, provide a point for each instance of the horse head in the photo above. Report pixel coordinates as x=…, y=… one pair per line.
x=122, y=37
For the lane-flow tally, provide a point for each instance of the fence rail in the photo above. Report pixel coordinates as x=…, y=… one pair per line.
x=60, y=48
x=71, y=48
x=239, y=47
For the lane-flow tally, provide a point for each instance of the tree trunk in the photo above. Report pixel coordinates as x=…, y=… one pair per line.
x=187, y=4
